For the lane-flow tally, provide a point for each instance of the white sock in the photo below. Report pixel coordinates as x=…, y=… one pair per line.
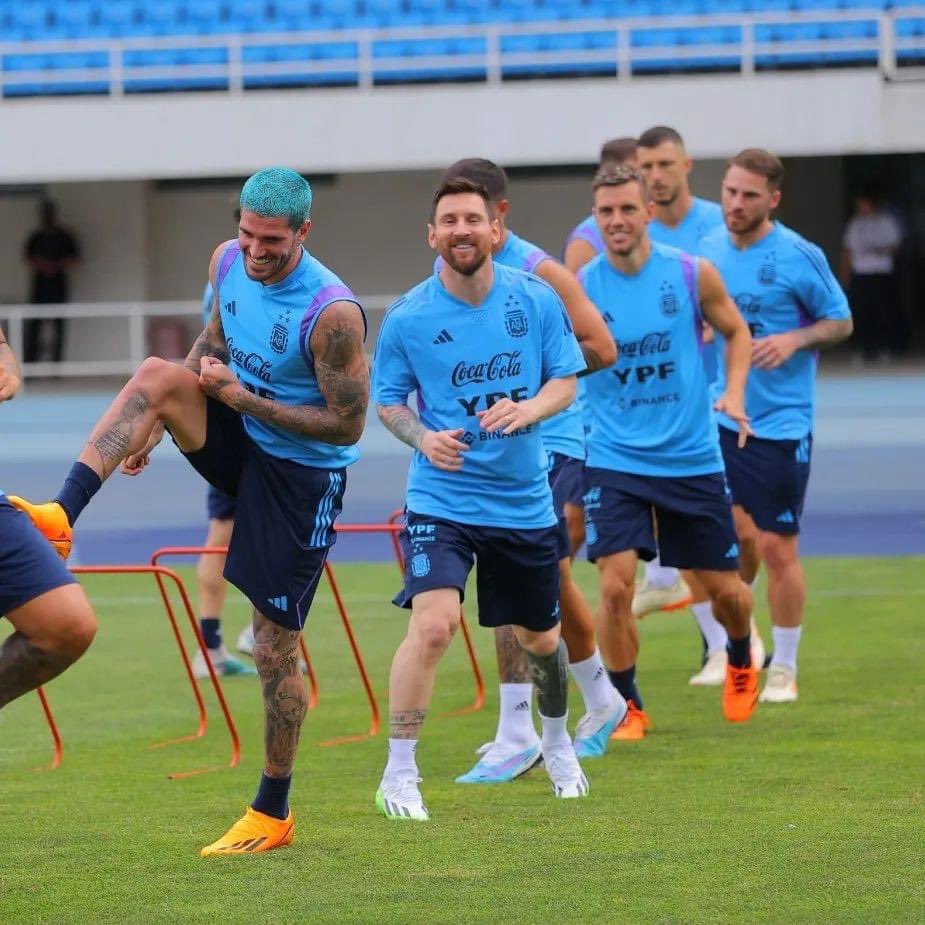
x=592, y=680
x=401, y=757
x=786, y=643
x=515, y=719
x=661, y=576
x=555, y=731
x=713, y=631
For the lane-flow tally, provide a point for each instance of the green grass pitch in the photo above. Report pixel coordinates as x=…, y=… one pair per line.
x=808, y=813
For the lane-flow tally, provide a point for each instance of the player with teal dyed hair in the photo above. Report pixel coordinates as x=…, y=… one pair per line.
x=278, y=192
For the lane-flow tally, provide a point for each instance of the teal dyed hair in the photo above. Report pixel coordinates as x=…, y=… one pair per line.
x=278, y=192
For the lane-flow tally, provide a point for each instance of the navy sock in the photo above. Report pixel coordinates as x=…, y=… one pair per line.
x=625, y=683
x=740, y=651
x=273, y=796
x=211, y=628
x=81, y=484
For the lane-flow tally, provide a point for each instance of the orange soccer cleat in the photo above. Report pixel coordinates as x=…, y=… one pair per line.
x=634, y=726
x=50, y=520
x=740, y=693
x=252, y=833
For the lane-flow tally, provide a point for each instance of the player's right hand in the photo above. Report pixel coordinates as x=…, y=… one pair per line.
x=135, y=463
x=444, y=449
x=9, y=384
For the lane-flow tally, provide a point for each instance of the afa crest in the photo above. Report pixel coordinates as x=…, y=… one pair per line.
x=279, y=338
x=515, y=322
x=668, y=301
x=420, y=565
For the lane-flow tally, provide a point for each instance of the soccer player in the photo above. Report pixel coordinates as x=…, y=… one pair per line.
x=653, y=446
x=680, y=220
x=276, y=429
x=53, y=623
x=210, y=584
x=516, y=746
x=794, y=306
x=584, y=241
x=490, y=352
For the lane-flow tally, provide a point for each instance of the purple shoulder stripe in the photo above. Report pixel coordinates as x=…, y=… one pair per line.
x=534, y=259
x=323, y=298
x=228, y=258
x=689, y=271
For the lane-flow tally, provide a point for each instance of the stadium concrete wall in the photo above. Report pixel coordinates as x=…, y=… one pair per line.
x=531, y=122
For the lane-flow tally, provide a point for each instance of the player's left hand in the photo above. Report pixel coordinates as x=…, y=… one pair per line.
x=507, y=416
x=217, y=379
x=735, y=409
x=774, y=350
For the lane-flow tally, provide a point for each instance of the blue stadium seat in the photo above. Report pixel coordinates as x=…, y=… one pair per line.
x=436, y=48
x=76, y=16
x=177, y=58
x=207, y=16
x=297, y=55
x=49, y=84
x=118, y=17
x=910, y=29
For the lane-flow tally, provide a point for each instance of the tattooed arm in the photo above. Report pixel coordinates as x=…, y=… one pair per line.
x=10, y=376
x=443, y=448
x=342, y=373
x=211, y=342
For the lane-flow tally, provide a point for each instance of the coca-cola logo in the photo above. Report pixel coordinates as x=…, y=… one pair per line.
x=500, y=366
x=651, y=344
x=252, y=363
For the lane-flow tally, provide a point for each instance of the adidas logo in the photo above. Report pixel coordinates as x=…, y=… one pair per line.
x=523, y=705
x=733, y=551
x=231, y=308
x=598, y=674
x=786, y=518
x=280, y=603
x=608, y=317
x=444, y=337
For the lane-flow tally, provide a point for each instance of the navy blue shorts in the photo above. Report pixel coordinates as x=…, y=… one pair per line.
x=518, y=570
x=28, y=565
x=768, y=478
x=566, y=479
x=694, y=513
x=219, y=505
x=284, y=522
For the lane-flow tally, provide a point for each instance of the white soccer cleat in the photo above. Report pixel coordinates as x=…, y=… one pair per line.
x=758, y=653
x=649, y=599
x=781, y=685
x=568, y=780
x=399, y=797
x=246, y=640
x=501, y=762
x=713, y=673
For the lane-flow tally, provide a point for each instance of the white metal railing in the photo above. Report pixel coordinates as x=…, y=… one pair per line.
x=134, y=341
x=366, y=62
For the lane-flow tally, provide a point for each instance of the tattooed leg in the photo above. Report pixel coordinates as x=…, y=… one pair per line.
x=512, y=659
x=159, y=391
x=550, y=677
x=52, y=631
x=434, y=620
x=276, y=655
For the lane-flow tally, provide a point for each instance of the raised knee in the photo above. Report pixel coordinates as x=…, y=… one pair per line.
x=73, y=633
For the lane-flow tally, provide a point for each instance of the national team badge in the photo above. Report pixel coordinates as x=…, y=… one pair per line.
x=279, y=339
x=767, y=272
x=420, y=565
x=515, y=322
x=668, y=301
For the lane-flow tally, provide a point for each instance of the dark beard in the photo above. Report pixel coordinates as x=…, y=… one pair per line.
x=280, y=263
x=468, y=270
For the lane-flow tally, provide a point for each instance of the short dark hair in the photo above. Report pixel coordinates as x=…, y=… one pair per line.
x=453, y=186
x=620, y=175
x=658, y=135
x=762, y=162
x=482, y=171
x=617, y=151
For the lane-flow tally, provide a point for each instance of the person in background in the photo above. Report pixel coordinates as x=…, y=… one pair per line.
x=51, y=252
x=872, y=238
